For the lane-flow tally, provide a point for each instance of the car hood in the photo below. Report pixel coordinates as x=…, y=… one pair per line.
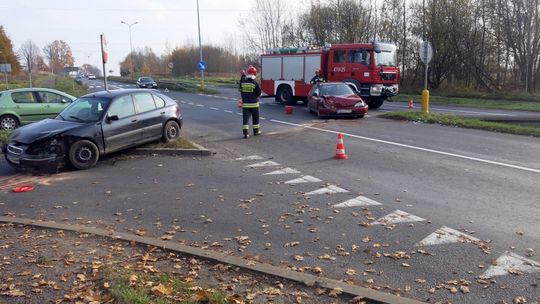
x=343, y=101
x=42, y=129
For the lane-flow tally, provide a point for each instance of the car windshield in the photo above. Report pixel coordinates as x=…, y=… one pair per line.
x=147, y=79
x=85, y=109
x=336, y=90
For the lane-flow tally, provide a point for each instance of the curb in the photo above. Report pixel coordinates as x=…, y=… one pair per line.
x=199, y=151
x=302, y=278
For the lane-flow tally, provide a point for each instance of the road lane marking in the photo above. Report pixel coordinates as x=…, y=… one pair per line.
x=215, y=109
x=228, y=111
x=510, y=262
x=397, y=217
x=263, y=164
x=283, y=171
x=445, y=235
x=457, y=111
x=304, y=179
x=332, y=189
x=251, y=157
x=200, y=105
x=413, y=147
x=356, y=202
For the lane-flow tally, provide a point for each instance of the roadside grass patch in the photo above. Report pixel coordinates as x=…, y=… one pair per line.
x=138, y=287
x=4, y=135
x=66, y=84
x=476, y=102
x=456, y=121
x=179, y=143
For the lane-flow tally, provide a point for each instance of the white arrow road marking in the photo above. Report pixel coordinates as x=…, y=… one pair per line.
x=303, y=179
x=283, y=171
x=358, y=201
x=510, y=262
x=396, y=217
x=445, y=235
x=251, y=157
x=327, y=190
x=91, y=87
x=263, y=164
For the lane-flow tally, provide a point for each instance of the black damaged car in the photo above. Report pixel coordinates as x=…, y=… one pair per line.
x=94, y=125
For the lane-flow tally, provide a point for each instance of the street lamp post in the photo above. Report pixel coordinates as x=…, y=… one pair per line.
x=130, y=46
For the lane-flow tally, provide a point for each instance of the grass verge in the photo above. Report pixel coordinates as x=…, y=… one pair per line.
x=475, y=102
x=176, y=84
x=456, y=121
x=138, y=287
x=4, y=135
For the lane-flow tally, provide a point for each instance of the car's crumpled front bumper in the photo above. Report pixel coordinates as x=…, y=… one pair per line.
x=17, y=157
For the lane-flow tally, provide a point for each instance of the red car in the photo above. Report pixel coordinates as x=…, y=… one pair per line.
x=335, y=99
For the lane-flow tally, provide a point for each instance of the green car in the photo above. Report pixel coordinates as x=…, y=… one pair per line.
x=23, y=106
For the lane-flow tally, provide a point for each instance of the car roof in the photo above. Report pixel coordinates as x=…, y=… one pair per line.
x=332, y=83
x=115, y=93
x=36, y=89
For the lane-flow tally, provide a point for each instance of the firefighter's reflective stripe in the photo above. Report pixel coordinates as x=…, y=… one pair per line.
x=257, y=126
x=245, y=127
x=250, y=105
x=247, y=87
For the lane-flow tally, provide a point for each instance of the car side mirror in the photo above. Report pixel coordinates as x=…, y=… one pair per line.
x=112, y=118
x=315, y=94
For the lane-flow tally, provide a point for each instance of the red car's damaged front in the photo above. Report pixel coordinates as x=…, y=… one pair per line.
x=336, y=99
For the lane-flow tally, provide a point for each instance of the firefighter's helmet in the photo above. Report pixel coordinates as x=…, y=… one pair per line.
x=242, y=72
x=252, y=70
x=317, y=72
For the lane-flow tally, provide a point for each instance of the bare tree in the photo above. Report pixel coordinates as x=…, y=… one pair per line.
x=29, y=52
x=59, y=54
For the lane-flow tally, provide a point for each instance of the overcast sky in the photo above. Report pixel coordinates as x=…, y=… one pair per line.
x=160, y=23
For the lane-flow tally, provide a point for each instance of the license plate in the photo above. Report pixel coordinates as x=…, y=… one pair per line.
x=344, y=111
x=14, y=160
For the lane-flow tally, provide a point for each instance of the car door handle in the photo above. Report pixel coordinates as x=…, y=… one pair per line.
x=134, y=120
x=162, y=113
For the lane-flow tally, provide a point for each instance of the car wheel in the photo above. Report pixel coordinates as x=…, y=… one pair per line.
x=8, y=122
x=171, y=131
x=83, y=154
x=360, y=116
x=284, y=95
x=375, y=103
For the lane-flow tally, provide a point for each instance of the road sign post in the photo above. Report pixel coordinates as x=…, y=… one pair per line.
x=104, y=56
x=201, y=66
x=6, y=67
x=425, y=51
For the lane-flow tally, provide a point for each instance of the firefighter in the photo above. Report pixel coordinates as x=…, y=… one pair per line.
x=250, y=92
x=317, y=78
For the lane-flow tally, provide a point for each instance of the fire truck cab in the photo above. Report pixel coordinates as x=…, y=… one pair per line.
x=370, y=67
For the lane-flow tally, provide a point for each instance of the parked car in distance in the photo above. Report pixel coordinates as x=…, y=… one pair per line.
x=91, y=76
x=335, y=99
x=93, y=125
x=146, y=82
x=23, y=106
x=79, y=79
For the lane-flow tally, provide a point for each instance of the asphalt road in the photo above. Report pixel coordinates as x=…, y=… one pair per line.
x=408, y=180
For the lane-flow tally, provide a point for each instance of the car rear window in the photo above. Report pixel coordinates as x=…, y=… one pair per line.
x=160, y=103
x=144, y=102
x=122, y=107
x=23, y=97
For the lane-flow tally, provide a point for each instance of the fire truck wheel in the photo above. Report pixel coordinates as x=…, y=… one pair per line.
x=375, y=103
x=285, y=96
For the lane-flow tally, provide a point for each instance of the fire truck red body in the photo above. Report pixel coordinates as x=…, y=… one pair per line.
x=371, y=67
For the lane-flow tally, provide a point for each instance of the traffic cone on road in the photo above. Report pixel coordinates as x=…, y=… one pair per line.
x=340, y=148
x=411, y=104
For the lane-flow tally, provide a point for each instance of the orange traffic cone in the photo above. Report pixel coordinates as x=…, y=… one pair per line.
x=340, y=148
x=411, y=104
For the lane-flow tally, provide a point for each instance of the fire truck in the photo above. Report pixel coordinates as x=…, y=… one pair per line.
x=371, y=68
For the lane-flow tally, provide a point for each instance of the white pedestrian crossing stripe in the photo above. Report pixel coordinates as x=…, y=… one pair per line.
x=327, y=190
x=283, y=171
x=445, y=235
x=510, y=262
x=251, y=157
x=304, y=179
x=263, y=164
x=397, y=217
x=356, y=202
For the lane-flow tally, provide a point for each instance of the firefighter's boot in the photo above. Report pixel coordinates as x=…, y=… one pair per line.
x=257, y=132
x=246, y=133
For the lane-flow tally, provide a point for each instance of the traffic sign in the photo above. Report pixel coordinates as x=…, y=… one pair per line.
x=201, y=66
x=170, y=65
x=425, y=50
